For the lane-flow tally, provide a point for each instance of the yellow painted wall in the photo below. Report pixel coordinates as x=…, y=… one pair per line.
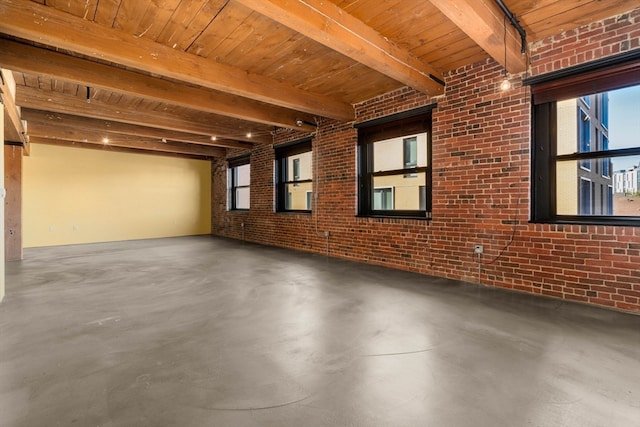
x=75, y=196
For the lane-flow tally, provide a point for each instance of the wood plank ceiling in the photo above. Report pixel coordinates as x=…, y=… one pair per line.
x=194, y=77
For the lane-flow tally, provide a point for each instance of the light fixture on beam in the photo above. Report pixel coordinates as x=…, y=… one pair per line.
x=300, y=123
x=505, y=84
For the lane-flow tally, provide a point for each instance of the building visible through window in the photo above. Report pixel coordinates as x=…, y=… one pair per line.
x=582, y=130
x=239, y=181
x=395, y=166
x=294, y=176
x=587, y=147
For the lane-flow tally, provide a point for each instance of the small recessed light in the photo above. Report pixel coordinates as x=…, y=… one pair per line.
x=248, y=134
x=105, y=140
x=164, y=140
x=213, y=138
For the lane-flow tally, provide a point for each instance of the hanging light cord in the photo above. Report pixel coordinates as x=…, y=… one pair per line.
x=504, y=37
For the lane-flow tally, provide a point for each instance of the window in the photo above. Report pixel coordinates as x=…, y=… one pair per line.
x=585, y=196
x=383, y=199
x=586, y=153
x=394, y=176
x=239, y=180
x=309, y=200
x=410, y=154
x=605, y=110
x=294, y=177
x=606, y=163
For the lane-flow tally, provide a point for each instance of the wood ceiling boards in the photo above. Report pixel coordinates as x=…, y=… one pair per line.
x=183, y=71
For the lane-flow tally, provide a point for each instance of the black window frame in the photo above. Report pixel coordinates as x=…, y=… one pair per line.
x=407, y=123
x=599, y=76
x=282, y=153
x=232, y=164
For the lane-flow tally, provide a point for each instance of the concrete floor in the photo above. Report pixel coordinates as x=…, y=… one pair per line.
x=209, y=332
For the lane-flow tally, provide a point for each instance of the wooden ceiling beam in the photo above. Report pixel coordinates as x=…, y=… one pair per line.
x=484, y=22
x=37, y=118
x=14, y=127
x=328, y=24
x=56, y=132
x=38, y=99
x=38, y=61
x=112, y=148
x=46, y=25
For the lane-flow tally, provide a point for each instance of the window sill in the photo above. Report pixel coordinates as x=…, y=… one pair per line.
x=294, y=212
x=386, y=217
x=619, y=221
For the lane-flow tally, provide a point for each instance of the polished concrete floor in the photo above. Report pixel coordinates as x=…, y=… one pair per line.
x=202, y=331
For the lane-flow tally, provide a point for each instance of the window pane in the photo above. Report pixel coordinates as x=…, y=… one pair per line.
x=614, y=119
x=581, y=192
x=239, y=178
x=399, y=192
x=299, y=167
x=622, y=116
x=584, y=132
x=396, y=153
x=297, y=195
x=242, y=198
x=242, y=175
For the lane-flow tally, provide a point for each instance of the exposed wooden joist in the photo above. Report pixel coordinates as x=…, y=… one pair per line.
x=14, y=127
x=484, y=23
x=112, y=148
x=78, y=125
x=331, y=26
x=95, y=138
x=42, y=24
x=38, y=99
x=38, y=61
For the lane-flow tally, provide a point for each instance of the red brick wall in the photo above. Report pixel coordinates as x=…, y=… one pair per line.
x=481, y=143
